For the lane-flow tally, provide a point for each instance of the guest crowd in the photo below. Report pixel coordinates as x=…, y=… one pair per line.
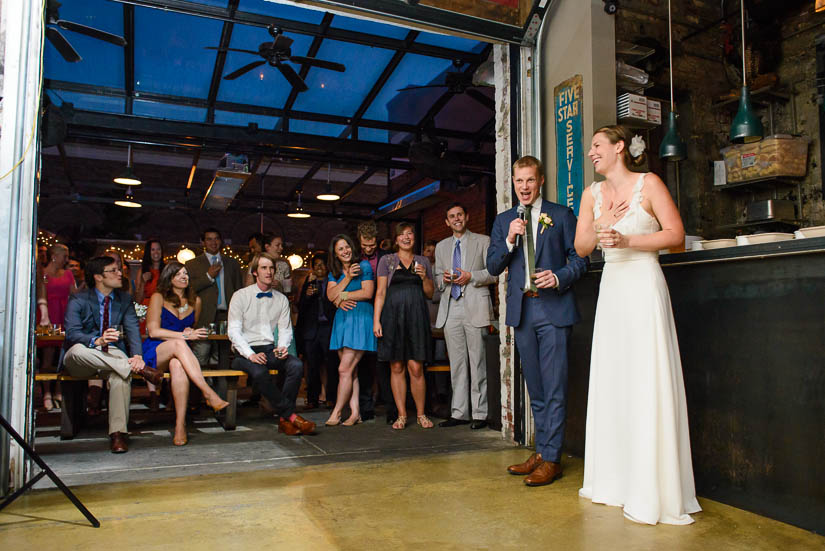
x=363, y=331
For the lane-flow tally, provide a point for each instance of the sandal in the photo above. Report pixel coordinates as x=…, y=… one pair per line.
x=424, y=422
x=333, y=421
x=400, y=423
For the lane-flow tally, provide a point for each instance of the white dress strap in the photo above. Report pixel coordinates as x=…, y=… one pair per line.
x=596, y=190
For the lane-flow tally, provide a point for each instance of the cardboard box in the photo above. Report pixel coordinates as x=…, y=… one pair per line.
x=778, y=155
x=654, y=111
x=632, y=106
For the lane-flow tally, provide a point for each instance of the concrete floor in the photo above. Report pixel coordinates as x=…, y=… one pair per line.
x=457, y=500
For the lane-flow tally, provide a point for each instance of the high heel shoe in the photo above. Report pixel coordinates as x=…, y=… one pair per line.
x=47, y=403
x=331, y=422
x=221, y=404
x=352, y=421
x=180, y=442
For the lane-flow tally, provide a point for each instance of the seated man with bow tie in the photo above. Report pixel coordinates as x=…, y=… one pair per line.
x=254, y=313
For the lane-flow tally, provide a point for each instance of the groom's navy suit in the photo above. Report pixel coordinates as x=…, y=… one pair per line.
x=542, y=323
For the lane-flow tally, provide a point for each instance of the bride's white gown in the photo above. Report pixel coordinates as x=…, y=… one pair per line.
x=637, y=449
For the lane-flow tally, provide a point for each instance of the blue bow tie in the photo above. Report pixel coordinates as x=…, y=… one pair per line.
x=262, y=295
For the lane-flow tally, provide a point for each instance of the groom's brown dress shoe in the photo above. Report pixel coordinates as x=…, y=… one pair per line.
x=118, y=442
x=544, y=474
x=527, y=467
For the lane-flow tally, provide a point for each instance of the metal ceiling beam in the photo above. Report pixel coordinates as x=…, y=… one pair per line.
x=360, y=180
x=365, y=103
x=299, y=27
x=129, y=55
x=256, y=109
x=220, y=61
x=435, y=109
x=101, y=136
x=283, y=124
x=65, y=160
x=412, y=12
x=390, y=68
x=133, y=128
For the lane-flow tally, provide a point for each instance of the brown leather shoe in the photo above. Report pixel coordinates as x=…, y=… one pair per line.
x=152, y=375
x=527, y=467
x=306, y=427
x=545, y=473
x=118, y=442
x=288, y=428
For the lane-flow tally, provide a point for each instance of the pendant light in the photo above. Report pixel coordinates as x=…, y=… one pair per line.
x=328, y=194
x=672, y=147
x=299, y=210
x=129, y=201
x=127, y=177
x=746, y=127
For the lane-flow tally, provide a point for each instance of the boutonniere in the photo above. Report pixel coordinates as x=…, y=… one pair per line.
x=545, y=221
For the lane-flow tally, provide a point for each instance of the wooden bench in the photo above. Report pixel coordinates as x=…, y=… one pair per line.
x=73, y=411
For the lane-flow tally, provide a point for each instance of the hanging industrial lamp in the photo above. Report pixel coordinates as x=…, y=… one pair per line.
x=129, y=201
x=672, y=147
x=128, y=177
x=328, y=194
x=298, y=212
x=746, y=127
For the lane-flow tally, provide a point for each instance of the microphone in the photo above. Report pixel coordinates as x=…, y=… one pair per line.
x=521, y=211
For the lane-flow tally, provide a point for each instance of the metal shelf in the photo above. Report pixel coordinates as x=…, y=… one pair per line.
x=763, y=183
x=768, y=91
x=796, y=224
x=638, y=123
x=632, y=53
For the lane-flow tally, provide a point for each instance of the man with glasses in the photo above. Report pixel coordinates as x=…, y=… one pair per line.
x=95, y=346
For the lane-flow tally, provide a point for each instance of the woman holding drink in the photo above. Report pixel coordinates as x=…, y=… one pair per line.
x=350, y=287
x=402, y=322
x=637, y=450
x=172, y=312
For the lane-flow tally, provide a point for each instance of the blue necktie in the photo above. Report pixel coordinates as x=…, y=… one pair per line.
x=268, y=294
x=218, y=280
x=455, y=292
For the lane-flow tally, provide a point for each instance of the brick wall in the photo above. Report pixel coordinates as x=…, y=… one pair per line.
x=473, y=199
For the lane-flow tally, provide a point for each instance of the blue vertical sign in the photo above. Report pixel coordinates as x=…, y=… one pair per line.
x=567, y=100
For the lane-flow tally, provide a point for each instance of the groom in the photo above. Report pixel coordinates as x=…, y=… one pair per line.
x=534, y=241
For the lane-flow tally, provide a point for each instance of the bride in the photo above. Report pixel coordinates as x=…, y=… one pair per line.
x=637, y=448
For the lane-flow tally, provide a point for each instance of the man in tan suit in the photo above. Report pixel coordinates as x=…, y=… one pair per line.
x=464, y=313
x=215, y=278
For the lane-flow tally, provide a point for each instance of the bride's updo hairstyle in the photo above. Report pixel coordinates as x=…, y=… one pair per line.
x=617, y=133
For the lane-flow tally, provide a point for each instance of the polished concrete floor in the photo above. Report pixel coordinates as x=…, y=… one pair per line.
x=457, y=500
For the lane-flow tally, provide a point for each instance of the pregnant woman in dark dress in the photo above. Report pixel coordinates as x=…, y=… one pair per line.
x=172, y=312
x=402, y=322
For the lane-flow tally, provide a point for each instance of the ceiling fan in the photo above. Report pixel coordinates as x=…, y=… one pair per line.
x=458, y=82
x=59, y=41
x=276, y=53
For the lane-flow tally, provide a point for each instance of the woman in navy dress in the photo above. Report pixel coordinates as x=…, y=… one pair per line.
x=351, y=286
x=172, y=312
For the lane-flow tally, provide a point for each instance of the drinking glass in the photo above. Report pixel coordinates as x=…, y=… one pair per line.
x=222, y=328
x=210, y=328
x=56, y=329
x=119, y=329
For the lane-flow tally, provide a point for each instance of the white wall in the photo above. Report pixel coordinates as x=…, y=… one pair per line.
x=577, y=37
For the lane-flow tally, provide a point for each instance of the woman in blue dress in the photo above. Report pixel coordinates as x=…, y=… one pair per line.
x=351, y=286
x=172, y=312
